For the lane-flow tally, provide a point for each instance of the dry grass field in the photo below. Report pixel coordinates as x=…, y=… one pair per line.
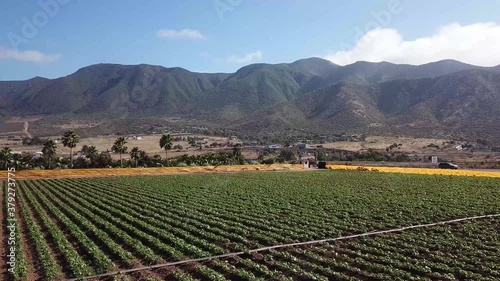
x=409, y=144
x=419, y=147
x=93, y=173
x=149, y=143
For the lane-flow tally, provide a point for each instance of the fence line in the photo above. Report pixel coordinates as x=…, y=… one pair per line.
x=371, y=233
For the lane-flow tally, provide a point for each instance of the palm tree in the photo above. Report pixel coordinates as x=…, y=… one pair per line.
x=237, y=150
x=49, y=150
x=17, y=160
x=5, y=156
x=135, y=154
x=143, y=157
x=119, y=147
x=166, y=143
x=26, y=160
x=70, y=139
x=92, y=154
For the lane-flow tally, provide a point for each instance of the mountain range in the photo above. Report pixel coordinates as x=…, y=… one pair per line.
x=310, y=94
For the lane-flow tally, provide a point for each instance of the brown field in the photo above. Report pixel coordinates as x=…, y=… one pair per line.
x=84, y=173
x=79, y=125
x=418, y=147
x=11, y=128
x=17, y=126
x=380, y=143
x=149, y=143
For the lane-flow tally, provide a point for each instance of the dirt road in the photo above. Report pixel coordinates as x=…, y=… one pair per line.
x=84, y=173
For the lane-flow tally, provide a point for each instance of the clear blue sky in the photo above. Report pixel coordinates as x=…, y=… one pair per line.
x=80, y=33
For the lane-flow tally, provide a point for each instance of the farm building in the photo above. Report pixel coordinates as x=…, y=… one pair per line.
x=274, y=146
x=308, y=161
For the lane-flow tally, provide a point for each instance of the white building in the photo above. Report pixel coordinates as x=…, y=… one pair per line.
x=37, y=155
x=273, y=146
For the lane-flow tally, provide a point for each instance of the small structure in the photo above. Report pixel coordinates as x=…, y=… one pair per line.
x=37, y=155
x=273, y=146
x=303, y=146
x=434, y=159
x=308, y=161
x=79, y=154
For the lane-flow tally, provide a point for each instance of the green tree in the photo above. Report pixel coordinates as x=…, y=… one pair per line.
x=70, y=139
x=135, y=155
x=260, y=158
x=119, y=147
x=166, y=143
x=5, y=157
x=287, y=155
x=104, y=160
x=192, y=141
x=17, y=160
x=49, y=151
x=92, y=154
x=85, y=149
x=143, y=158
x=237, y=150
x=27, y=161
x=321, y=156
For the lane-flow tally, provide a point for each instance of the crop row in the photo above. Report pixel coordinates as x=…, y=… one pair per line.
x=84, y=226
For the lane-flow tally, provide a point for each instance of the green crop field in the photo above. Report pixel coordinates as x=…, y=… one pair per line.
x=81, y=227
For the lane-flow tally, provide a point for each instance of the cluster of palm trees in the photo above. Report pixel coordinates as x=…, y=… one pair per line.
x=95, y=159
x=5, y=157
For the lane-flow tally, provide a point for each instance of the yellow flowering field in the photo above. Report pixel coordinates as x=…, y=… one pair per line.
x=422, y=171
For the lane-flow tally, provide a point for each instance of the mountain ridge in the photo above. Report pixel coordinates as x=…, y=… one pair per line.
x=446, y=103
x=143, y=90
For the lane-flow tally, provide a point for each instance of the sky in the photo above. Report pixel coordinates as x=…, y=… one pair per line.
x=54, y=38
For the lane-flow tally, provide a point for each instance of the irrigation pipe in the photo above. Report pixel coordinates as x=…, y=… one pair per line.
x=371, y=233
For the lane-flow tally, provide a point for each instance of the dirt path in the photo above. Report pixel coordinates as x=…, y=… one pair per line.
x=25, y=129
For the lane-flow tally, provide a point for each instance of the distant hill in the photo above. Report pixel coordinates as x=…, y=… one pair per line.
x=465, y=101
x=110, y=88
x=306, y=94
